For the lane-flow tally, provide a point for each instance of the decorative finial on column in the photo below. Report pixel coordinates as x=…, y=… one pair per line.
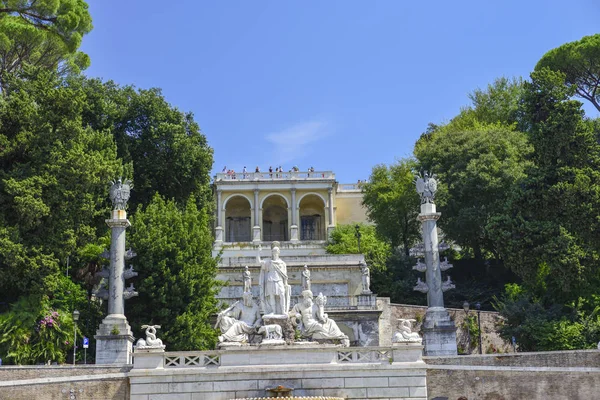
x=119, y=195
x=426, y=187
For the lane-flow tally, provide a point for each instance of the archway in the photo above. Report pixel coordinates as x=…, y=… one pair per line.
x=237, y=220
x=312, y=218
x=275, y=219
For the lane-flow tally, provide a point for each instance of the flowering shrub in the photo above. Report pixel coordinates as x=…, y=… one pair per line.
x=31, y=332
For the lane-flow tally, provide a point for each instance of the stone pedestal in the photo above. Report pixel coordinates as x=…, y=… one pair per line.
x=151, y=359
x=439, y=333
x=113, y=347
x=256, y=235
x=294, y=234
x=218, y=236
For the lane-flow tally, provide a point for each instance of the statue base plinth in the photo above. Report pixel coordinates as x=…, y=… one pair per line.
x=114, y=341
x=439, y=333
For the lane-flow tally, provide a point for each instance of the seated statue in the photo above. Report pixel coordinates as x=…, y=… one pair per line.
x=239, y=320
x=315, y=323
x=405, y=333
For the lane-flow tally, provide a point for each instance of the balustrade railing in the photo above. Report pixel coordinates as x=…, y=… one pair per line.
x=333, y=302
x=219, y=358
x=269, y=176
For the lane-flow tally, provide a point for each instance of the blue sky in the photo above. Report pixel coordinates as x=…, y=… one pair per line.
x=337, y=85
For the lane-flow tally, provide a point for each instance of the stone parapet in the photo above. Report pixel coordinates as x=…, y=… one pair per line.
x=352, y=373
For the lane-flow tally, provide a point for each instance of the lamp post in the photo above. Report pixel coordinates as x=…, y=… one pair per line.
x=75, y=319
x=466, y=308
x=478, y=307
x=358, y=235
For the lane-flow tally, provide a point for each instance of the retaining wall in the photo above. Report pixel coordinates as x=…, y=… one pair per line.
x=555, y=375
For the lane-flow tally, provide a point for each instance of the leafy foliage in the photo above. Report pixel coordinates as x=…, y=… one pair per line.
x=478, y=157
x=53, y=179
x=549, y=231
x=43, y=33
x=169, y=153
x=579, y=61
x=38, y=328
x=176, y=282
x=392, y=203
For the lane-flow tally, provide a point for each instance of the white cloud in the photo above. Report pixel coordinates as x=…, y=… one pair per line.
x=293, y=143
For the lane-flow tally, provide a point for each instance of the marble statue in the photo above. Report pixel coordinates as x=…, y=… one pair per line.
x=306, y=278
x=405, y=333
x=421, y=286
x=366, y=277
x=239, y=320
x=426, y=187
x=247, y=280
x=445, y=265
x=119, y=193
x=271, y=332
x=273, y=280
x=315, y=323
x=447, y=284
x=151, y=342
x=420, y=266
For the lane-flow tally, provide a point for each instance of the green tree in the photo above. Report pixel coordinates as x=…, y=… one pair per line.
x=579, y=61
x=43, y=33
x=476, y=168
x=169, y=153
x=549, y=232
x=176, y=282
x=392, y=203
x=344, y=241
x=53, y=179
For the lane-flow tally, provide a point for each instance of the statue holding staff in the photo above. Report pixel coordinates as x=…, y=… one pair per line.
x=273, y=281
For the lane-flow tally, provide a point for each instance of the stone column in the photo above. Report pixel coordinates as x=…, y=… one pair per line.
x=116, y=302
x=114, y=339
x=256, y=228
x=294, y=228
x=439, y=331
x=330, y=204
x=219, y=228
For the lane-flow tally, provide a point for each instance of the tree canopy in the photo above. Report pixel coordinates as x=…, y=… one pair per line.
x=579, y=61
x=392, y=202
x=43, y=33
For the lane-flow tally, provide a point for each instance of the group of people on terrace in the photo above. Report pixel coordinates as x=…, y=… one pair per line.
x=278, y=172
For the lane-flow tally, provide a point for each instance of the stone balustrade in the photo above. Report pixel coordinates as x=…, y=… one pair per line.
x=279, y=176
x=308, y=353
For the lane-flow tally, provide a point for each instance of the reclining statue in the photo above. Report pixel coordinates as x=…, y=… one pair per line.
x=239, y=320
x=315, y=323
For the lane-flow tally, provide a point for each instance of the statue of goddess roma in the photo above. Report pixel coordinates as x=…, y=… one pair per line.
x=273, y=281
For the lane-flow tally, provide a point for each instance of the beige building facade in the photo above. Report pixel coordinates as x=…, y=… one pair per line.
x=298, y=209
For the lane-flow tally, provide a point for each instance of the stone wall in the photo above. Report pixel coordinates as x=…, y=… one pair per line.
x=64, y=382
x=557, y=375
x=489, y=320
x=351, y=373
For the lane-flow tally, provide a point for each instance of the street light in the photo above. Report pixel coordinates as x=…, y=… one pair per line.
x=478, y=307
x=358, y=235
x=466, y=308
x=75, y=319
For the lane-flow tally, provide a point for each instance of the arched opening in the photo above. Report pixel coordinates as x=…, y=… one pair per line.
x=237, y=220
x=275, y=219
x=312, y=218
